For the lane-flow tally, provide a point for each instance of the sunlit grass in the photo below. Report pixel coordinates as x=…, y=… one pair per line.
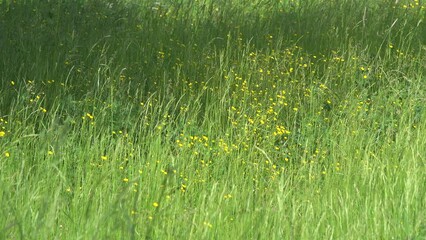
x=212, y=120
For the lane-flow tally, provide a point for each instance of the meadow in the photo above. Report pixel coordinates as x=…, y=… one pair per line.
x=212, y=119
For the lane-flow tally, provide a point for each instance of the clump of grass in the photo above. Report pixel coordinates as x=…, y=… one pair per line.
x=212, y=119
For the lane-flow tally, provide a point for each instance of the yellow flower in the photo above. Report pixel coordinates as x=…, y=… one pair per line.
x=227, y=196
x=155, y=204
x=7, y=154
x=90, y=116
x=104, y=158
x=2, y=133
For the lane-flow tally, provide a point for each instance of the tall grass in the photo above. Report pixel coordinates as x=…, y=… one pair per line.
x=212, y=119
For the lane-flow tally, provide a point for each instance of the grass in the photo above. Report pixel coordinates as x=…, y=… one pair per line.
x=212, y=119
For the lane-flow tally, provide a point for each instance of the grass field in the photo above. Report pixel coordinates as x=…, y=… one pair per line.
x=213, y=119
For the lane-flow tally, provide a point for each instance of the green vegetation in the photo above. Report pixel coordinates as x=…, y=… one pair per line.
x=212, y=119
